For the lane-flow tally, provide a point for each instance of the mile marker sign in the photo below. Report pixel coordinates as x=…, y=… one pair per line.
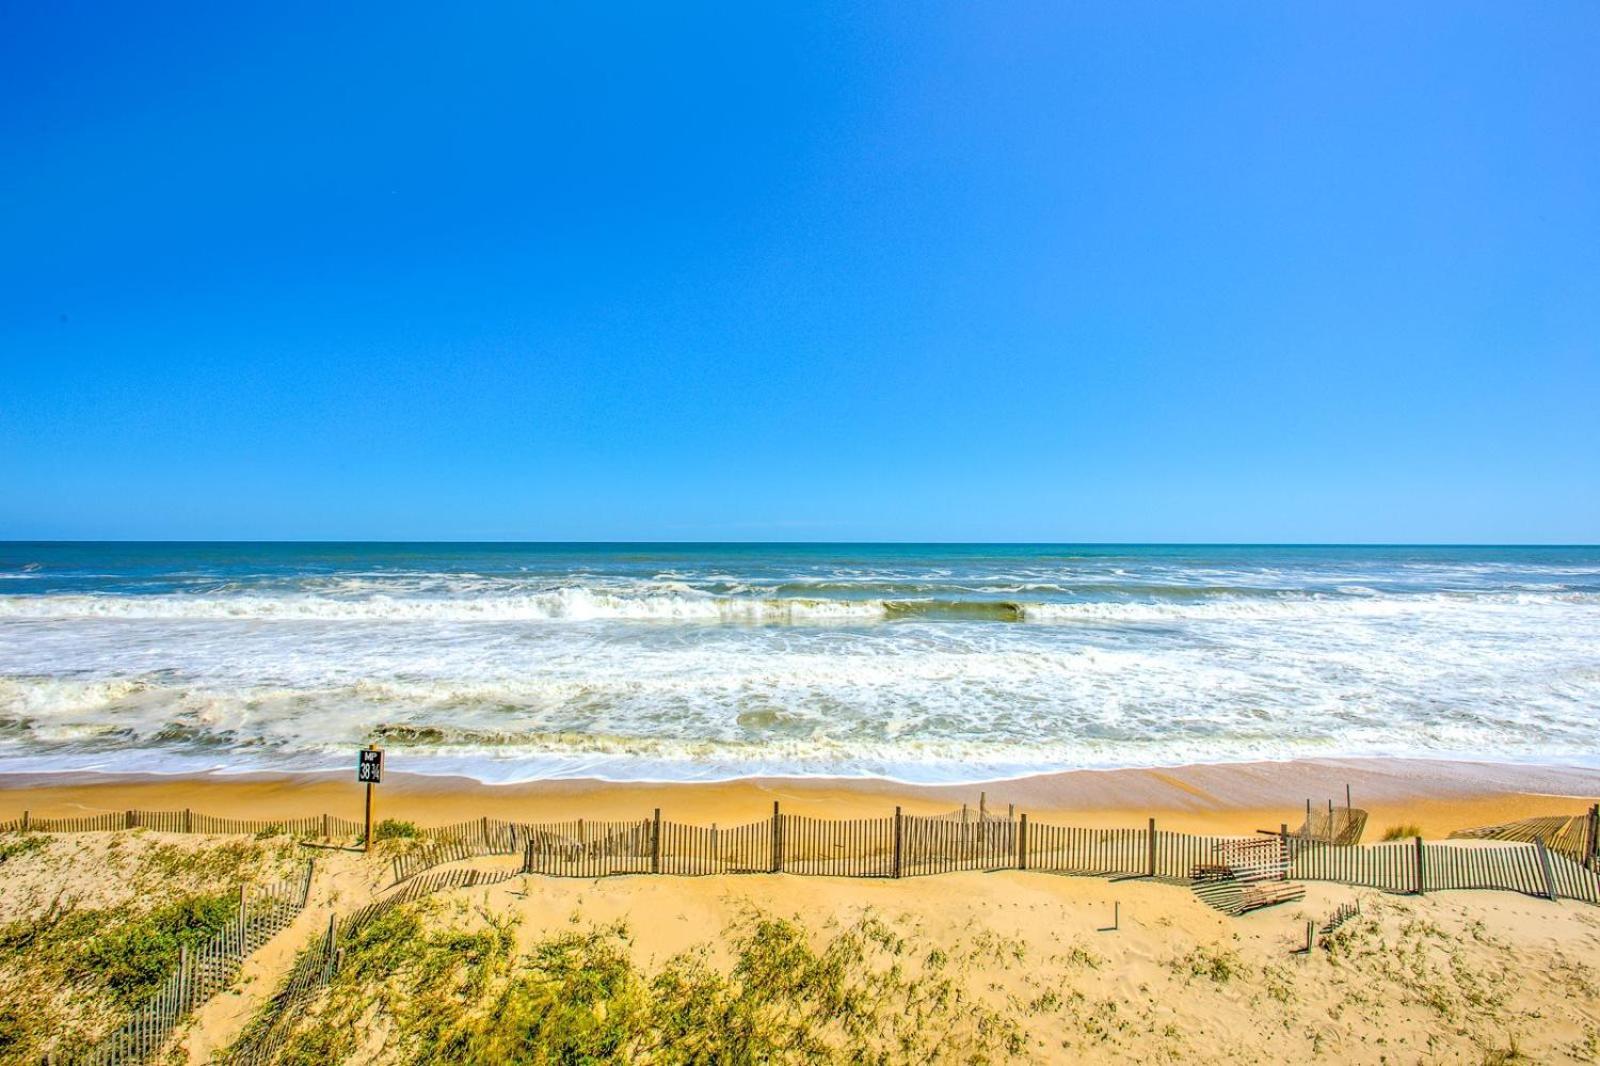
x=369, y=770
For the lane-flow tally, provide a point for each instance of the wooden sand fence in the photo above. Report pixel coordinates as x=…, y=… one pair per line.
x=214, y=966
x=898, y=846
x=325, y=826
x=1416, y=866
x=1576, y=837
x=1553, y=857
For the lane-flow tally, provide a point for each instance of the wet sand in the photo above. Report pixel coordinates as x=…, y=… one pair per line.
x=1438, y=797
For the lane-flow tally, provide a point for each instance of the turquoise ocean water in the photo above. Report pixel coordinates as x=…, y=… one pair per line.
x=670, y=661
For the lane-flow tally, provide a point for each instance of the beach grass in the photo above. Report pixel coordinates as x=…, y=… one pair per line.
x=452, y=987
x=91, y=926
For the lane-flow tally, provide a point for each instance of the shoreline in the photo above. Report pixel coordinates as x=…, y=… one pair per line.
x=1436, y=796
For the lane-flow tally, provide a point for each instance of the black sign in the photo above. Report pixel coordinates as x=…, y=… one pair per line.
x=370, y=769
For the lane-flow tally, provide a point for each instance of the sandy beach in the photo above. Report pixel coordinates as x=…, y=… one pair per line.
x=1437, y=797
x=965, y=967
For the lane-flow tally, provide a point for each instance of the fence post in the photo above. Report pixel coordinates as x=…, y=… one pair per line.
x=328, y=957
x=188, y=820
x=239, y=921
x=1152, y=866
x=1594, y=834
x=1022, y=843
x=1544, y=868
x=327, y=830
x=655, y=843
x=1420, y=881
x=128, y=819
x=777, y=839
x=483, y=825
x=899, y=840
x=24, y=821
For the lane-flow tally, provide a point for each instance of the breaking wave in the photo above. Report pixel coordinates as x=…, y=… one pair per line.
x=582, y=605
x=921, y=663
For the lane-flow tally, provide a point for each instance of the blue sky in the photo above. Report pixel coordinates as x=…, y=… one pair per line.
x=1017, y=272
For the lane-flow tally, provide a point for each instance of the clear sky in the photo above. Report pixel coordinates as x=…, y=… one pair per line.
x=1057, y=271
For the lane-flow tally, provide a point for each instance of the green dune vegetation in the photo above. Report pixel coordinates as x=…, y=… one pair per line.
x=449, y=984
x=90, y=926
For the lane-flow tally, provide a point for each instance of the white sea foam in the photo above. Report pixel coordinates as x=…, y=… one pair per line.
x=917, y=672
x=917, y=699
x=578, y=604
x=568, y=604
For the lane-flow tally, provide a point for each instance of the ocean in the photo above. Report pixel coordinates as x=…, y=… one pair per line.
x=926, y=663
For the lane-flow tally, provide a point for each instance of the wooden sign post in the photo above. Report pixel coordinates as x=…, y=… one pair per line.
x=369, y=771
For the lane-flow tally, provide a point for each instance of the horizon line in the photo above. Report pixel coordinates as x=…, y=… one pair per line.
x=822, y=543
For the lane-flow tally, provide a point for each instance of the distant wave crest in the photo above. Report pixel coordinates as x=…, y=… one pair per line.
x=583, y=604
